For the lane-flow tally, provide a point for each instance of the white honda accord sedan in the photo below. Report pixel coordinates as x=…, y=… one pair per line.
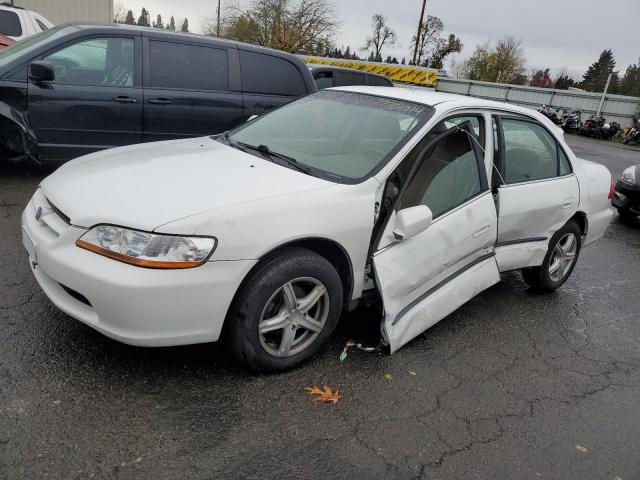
x=263, y=236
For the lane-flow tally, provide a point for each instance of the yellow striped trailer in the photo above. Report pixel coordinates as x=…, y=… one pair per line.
x=427, y=77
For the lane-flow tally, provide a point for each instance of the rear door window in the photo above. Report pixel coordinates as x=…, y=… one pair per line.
x=187, y=67
x=270, y=75
x=343, y=79
x=10, y=24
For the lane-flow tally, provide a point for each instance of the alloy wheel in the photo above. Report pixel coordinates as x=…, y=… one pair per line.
x=563, y=257
x=293, y=317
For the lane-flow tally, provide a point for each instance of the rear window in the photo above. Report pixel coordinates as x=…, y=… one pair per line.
x=270, y=75
x=10, y=24
x=187, y=67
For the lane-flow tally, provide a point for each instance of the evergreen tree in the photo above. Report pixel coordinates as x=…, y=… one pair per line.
x=388, y=59
x=172, y=24
x=145, y=18
x=347, y=52
x=185, y=26
x=404, y=61
x=371, y=57
x=595, y=78
x=630, y=83
x=130, y=20
x=564, y=82
x=158, y=23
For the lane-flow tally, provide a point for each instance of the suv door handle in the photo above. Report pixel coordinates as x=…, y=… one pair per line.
x=160, y=101
x=124, y=99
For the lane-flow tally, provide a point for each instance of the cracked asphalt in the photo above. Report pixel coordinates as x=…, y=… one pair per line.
x=511, y=386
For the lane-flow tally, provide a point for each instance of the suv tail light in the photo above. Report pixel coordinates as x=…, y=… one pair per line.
x=612, y=190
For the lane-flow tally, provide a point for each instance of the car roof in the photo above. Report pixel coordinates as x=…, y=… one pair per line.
x=446, y=101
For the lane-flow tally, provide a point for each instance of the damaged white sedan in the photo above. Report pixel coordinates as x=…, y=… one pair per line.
x=263, y=236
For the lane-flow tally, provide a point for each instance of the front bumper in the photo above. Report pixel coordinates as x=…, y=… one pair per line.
x=134, y=305
x=627, y=197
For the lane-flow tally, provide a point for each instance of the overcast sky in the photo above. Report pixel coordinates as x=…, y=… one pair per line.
x=555, y=33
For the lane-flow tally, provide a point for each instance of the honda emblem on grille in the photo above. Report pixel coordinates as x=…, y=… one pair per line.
x=38, y=214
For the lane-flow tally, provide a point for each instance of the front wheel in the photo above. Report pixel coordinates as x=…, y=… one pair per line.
x=285, y=311
x=561, y=258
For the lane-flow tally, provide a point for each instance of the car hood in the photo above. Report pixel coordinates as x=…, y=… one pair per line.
x=146, y=186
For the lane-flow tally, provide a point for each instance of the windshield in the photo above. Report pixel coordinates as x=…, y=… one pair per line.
x=13, y=51
x=342, y=134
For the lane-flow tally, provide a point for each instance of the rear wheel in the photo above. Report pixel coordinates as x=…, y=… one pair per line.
x=559, y=262
x=286, y=310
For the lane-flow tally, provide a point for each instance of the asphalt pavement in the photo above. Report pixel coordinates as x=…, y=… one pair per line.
x=513, y=385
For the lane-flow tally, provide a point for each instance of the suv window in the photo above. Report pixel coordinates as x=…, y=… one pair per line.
x=348, y=78
x=270, y=75
x=530, y=152
x=323, y=79
x=377, y=81
x=98, y=61
x=187, y=67
x=10, y=24
x=447, y=178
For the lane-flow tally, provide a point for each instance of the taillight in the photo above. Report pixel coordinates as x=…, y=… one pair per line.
x=612, y=190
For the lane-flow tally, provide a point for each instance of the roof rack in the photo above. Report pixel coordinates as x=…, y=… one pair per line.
x=9, y=3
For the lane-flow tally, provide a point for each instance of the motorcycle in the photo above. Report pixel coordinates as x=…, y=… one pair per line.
x=597, y=127
x=549, y=113
x=570, y=122
x=633, y=135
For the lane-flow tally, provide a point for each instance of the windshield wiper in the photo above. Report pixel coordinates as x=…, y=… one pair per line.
x=265, y=150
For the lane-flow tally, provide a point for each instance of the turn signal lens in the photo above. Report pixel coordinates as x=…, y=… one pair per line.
x=145, y=249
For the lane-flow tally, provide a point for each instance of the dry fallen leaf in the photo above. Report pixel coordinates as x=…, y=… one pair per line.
x=388, y=376
x=324, y=395
x=582, y=449
x=412, y=373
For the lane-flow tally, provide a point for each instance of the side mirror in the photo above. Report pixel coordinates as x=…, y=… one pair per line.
x=40, y=71
x=412, y=221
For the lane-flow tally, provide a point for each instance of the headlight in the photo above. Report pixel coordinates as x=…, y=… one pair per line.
x=629, y=175
x=147, y=249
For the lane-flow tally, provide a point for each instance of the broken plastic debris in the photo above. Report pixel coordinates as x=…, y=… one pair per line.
x=582, y=449
x=412, y=373
x=344, y=354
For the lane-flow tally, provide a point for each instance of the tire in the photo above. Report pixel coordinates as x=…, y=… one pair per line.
x=555, y=269
x=626, y=214
x=268, y=311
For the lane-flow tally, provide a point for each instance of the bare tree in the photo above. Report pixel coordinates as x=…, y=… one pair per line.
x=289, y=25
x=119, y=13
x=430, y=32
x=443, y=49
x=381, y=35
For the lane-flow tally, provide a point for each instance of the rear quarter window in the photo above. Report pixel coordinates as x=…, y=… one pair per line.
x=10, y=24
x=376, y=81
x=270, y=75
x=343, y=79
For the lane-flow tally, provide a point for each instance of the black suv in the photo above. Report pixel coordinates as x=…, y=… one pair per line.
x=75, y=89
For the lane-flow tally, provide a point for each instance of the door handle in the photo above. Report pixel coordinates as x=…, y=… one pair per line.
x=124, y=99
x=160, y=101
x=481, y=231
x=568, y=203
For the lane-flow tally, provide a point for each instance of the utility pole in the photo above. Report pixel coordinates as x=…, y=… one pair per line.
x=218, y=27
x=604, y=95
x=415, y=51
